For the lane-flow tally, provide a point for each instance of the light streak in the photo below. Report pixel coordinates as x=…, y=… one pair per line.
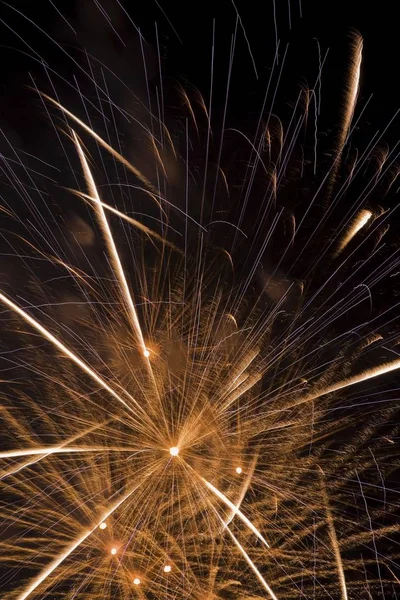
x=51, y=338
x=335, y=543
x=361, y=220
x=47, y=571
x=236, y=511
x=250, y=563
x=345, y=383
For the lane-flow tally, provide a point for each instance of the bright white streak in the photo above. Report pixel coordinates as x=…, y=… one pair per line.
x=362, y=219
x=244, y=489
x=61, y=557
x=28, y=463
x=113, y=252
x=250, y=562
x=129, y=219
x=352, y=89
x=53, y=565
x=349, y=102
x=365, y=376
x=236, y=511
x=355, y=76
x=238, y=377
x=244, y=387
x=335, y=544
x=104, y=144
x=47, y=450
x=51, y=338
x=154, y=192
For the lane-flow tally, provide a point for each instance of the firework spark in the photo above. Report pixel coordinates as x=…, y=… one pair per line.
x=192, y=413
x=359, y=222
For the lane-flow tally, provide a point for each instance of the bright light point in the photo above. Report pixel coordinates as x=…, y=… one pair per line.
x=136, y=581
x=103, y=525
x=146, y=353
x=238, y=470
x=113, y=551
x=174, y=451
x=167, y=569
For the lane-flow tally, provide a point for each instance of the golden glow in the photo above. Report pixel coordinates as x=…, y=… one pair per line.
x=238, y=470
x=113, y=551
x=359, y=222
x=146, y=353
x=103, y=525
x=136, y=581
x=167, y=569
x=174, y=451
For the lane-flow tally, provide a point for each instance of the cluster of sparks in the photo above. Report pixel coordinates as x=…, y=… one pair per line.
x=181, y=444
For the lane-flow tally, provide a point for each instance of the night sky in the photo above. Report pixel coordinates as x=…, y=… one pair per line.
x=185, y=46
x=306, y=31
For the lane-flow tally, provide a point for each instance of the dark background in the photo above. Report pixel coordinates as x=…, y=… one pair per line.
x=185, y=38
x=61, y=32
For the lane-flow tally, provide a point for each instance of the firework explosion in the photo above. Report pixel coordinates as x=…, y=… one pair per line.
x=180, y=419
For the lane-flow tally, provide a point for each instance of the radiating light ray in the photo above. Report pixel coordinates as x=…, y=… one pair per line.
x=236, y=511
x=353, y=83
x=51, y=338
x=397, y=580
x=103, y=143
x=364, y=376
x=132, y=221
x=158, y=199
x=74, y=545
x=250, y=562
x=359, y=222
x=244, y=488
x=242, y=367
x=48, y=450
x=220, y=367
x=244, y=387
x=110, y=242
x=351, y=93
x=73, y=438
x=126, y=293
x=334, y=540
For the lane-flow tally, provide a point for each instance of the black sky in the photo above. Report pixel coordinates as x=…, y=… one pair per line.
x=185, y=35
x=59, y=32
